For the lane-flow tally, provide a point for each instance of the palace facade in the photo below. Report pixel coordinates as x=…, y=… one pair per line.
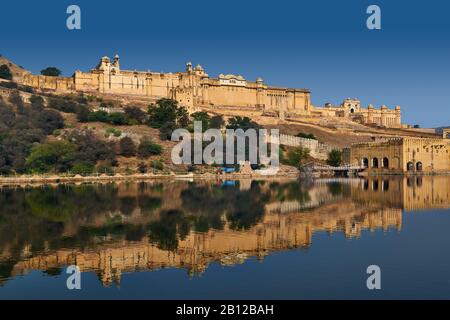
x=402, y=155
x=195, y=89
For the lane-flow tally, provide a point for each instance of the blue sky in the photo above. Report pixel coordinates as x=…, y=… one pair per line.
x=320, y=45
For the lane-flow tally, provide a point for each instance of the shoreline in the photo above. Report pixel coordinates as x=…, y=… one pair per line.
x=54, y=179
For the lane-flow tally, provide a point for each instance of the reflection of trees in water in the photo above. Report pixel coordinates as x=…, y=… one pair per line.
x=339, y=189
x=6, y=268
x=127, y=205
x=248, y=208
x=164, y=232
x=148, y=204
x=38, y=218
x=19, y=227
x=291, y=191
x=64, y=202
x=242, y=208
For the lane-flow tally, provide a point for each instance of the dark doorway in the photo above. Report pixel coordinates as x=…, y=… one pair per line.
x=365, y=163
x=375, y=163
x=410, y=166
x=419, y=166
x=385, y=163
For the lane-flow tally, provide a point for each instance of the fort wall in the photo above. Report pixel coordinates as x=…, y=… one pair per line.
x=195, y=89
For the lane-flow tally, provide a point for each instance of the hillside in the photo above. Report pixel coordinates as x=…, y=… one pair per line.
x=70, y=134
x=17, y=71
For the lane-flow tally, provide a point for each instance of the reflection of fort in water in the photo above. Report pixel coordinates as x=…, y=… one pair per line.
x=411, y=193
x=348, y=207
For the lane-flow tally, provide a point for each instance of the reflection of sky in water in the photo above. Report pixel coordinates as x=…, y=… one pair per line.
x=318, y=241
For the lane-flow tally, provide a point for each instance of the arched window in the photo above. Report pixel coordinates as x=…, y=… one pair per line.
x=385, y=163
x=419, y=166
x=375, y=163
x=385, y=185
x=410, y=166
x=365, y=162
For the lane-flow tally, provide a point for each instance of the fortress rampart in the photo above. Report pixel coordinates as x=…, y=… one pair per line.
x=195, y=89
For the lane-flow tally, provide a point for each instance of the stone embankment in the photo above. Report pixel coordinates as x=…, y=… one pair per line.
x=42, y=179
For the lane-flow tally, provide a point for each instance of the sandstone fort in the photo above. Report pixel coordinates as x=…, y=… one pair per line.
x=194, y=89
x=391, y=152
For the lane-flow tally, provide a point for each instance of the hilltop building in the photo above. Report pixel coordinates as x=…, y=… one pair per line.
x=351, y=108
x=195, y=89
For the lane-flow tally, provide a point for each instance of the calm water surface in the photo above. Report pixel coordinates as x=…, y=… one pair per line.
x=230, y=240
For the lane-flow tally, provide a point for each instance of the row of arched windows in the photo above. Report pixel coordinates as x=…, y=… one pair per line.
x=410, y=166
x=384, y=163
x=376, y=163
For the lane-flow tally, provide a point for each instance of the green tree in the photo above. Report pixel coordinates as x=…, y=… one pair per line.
x=167, y=110
x=243, y=123
x=117, y=118
x=306, y=135
x=296, y=156
x=51, y=72
x=182, y=119
x=157, y=164
x=217, y=122
x=5, y=72
x=165, y=131
x=82, y=168
x=147, y=148
x=100, y=116
x=53, y=156
x=334, y=158
x=203, y=117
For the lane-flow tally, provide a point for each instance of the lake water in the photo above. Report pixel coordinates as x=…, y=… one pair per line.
x=227, y=240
